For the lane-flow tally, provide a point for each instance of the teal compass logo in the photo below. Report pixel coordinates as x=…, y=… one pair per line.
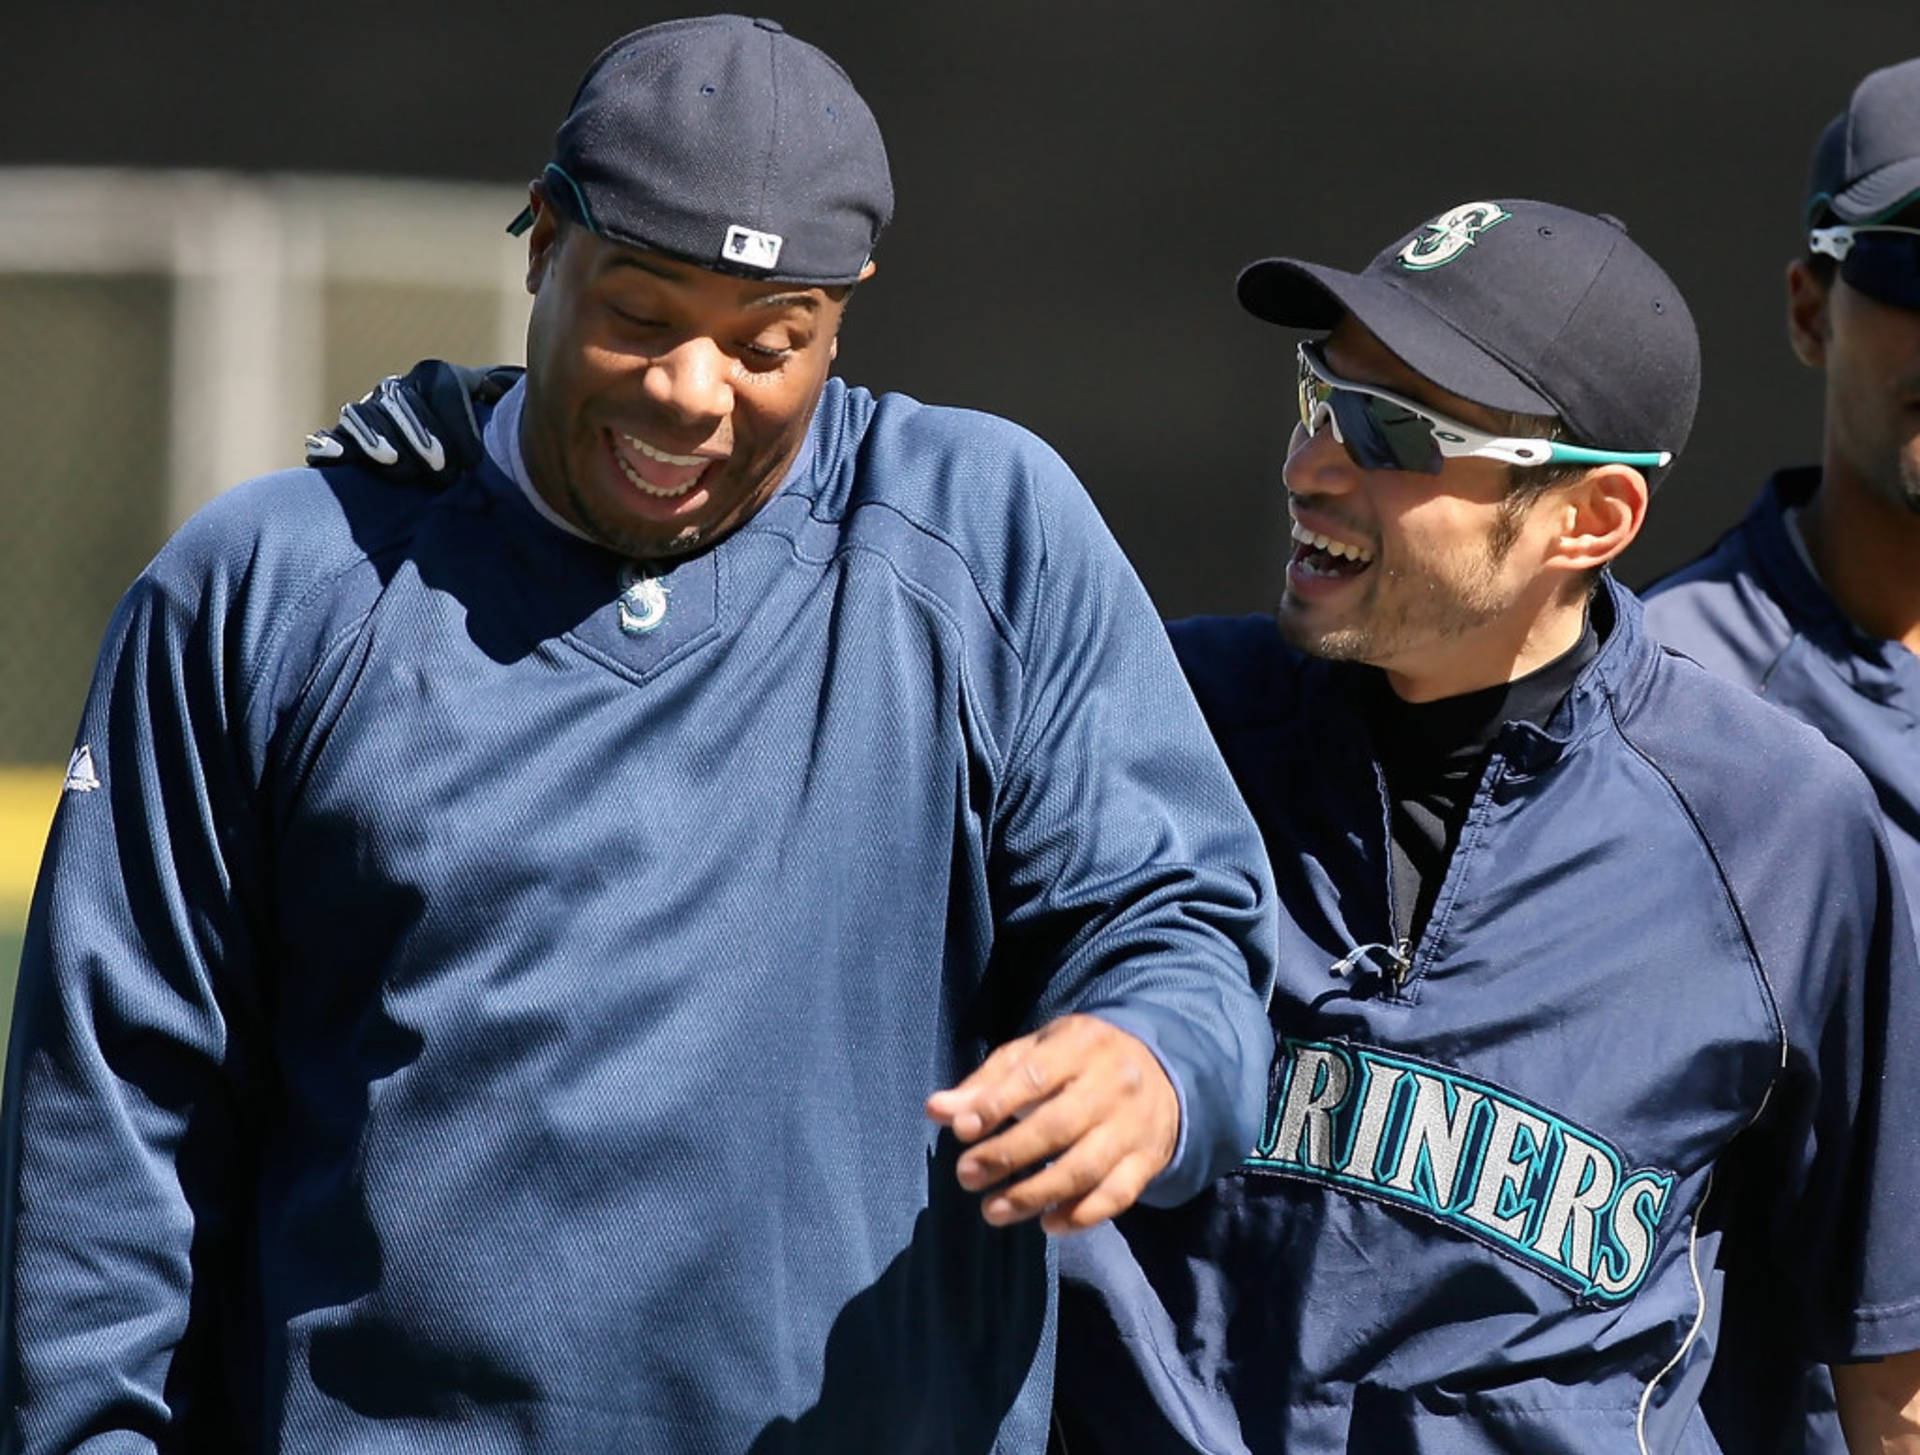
x=1451, y=234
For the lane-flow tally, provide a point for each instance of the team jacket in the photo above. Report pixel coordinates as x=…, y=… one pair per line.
x=1655, y=1046
x=1750, y=610
x=487, y=1000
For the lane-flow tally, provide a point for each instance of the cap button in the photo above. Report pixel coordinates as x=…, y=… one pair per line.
x=773, y=25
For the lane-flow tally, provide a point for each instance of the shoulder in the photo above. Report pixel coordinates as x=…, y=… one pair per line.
x=1784, y=812
x=984, y=484
x=285, y=531
x=972, y=509
x=265, y=575
x=1722, y=609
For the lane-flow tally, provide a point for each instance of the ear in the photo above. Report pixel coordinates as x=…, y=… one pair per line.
x=1807, y=325
x=1599, y=516
x=541, y=237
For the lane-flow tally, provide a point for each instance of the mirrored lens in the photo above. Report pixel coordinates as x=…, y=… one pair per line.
x=1389, y=437
x=1377, y=434
x=1885, y=266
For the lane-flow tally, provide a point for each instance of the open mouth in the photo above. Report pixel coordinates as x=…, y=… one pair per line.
x=654, y=471
x=1318, y=555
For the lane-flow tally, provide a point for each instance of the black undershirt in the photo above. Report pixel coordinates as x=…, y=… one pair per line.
x=1433, y=755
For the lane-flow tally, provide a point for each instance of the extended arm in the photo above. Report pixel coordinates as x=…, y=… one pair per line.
x=1127, y=860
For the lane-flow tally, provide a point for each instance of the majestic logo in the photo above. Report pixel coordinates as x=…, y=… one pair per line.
x=1451, y=234
x=81, y=777
x=643, y=601
x=751, y=249
x=1478, y=1159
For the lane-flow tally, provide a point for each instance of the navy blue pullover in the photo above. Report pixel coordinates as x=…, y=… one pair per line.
x=1752, y=611
x=1651, y=1068
x=459, y=1022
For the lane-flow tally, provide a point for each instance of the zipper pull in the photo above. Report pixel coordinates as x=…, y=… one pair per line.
x=1401, y=964
x=1399, y=961
x=1347, y=962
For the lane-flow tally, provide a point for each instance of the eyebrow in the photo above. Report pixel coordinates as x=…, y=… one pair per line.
x=672, y=273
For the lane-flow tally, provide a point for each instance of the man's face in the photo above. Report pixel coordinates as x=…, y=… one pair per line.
x=1873, y=389
x=1426, y=575
x=665, y=402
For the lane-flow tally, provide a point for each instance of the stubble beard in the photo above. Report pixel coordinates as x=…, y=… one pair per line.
x=1406, y=612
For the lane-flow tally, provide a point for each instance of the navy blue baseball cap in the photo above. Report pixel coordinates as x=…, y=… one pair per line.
x=1519, y=306
x=728, y=143
x=1866, y=165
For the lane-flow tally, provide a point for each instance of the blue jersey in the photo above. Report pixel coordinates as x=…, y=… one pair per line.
x=487, y=1000
x=1656, y=1044
x=1752, y=610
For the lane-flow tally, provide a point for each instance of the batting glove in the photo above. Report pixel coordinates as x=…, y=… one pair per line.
x=418, y=426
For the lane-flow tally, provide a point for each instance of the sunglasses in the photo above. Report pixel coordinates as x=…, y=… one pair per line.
x=1381, y=430
x=1881, y=262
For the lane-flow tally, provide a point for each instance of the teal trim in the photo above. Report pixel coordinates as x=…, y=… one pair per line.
x=1581, y=455
x=1825, y=199
x=1645, y=1191
x=584, y=212
x=1898, y=207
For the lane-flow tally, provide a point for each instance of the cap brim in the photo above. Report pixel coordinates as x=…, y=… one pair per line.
x=1878, y=195
x=1296, y=294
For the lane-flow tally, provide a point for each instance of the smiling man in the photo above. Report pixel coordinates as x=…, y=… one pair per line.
x=626, y=951
x=1596, y=1000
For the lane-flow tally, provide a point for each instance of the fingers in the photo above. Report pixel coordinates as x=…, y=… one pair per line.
x=1015, y=1078
x=1094, y=1116
x=374, y=423
x=1108, y=1198
x=364, y=433
x=421, y=440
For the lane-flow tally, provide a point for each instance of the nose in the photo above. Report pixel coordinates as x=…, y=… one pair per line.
x=1317, y=463
x=689, y=382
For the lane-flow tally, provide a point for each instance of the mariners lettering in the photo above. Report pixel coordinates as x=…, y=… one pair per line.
x=1471, y=1156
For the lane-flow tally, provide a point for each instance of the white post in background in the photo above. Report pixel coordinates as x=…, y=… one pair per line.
x=230, y=407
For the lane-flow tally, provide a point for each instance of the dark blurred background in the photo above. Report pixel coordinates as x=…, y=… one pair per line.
x=1078, y=185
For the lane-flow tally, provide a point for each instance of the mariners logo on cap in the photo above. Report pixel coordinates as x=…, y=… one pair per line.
x=750, y=248
x=1451, y=234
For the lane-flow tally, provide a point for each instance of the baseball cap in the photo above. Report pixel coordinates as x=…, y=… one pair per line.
x=728, y=143
x=1520, y=306
x=1866, y=165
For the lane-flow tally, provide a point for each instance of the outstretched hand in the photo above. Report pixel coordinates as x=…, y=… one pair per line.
x=1081, y=1096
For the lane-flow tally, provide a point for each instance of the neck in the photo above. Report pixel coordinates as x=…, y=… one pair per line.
x=1502, y=650
x=1867, y=551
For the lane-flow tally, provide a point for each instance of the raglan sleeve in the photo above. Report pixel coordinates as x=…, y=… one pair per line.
x=1845, y=1233
x=1126, y=867
x=134, y=1044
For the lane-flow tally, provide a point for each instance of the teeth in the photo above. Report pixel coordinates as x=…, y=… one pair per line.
x=635, y=442
x=633, y=478
x=1332, y=547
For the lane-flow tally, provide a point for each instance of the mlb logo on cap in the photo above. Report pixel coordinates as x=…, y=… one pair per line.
x=751, y=249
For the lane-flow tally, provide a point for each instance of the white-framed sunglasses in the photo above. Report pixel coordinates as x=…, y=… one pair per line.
x=1381, y=430
x=1878, y=259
